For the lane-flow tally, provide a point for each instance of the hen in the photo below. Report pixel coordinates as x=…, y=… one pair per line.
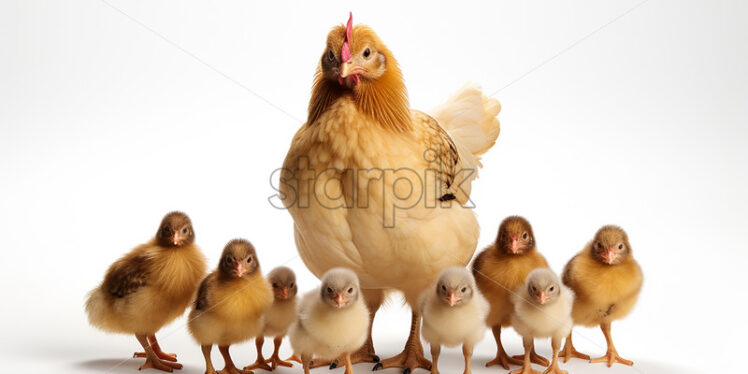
x=379, y=188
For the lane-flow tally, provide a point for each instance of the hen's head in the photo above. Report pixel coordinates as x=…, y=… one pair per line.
x=354, y=54
x=611, y=245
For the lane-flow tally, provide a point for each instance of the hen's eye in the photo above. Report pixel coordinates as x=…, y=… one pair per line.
x=367, y=52
x=330, y=55
x=350, y=290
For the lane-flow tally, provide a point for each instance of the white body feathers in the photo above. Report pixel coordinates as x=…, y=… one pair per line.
x=279, y=317
x=453, y=326
x=542, y=321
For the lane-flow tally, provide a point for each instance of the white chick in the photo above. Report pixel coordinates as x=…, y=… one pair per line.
x=542, y=309
x=332, y=321
x=454, y=313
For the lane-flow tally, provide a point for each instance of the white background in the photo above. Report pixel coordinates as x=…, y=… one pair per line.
x=109, y=119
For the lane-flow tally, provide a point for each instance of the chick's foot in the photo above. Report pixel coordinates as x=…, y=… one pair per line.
x=611, y=358
x=233, y=370
x=294, y=358
x=409, y=359
x=504, y=360
x=159, y=364
x=276, y=361
x=535, y=358
x=260, y=363
x=554, y=369
x=569, y=352
x=525, y=369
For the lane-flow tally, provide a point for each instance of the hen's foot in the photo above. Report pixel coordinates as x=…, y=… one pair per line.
x=233, y=370
x=164, y=356
x=526, y=369
x=159, y=364
x=504, y=360
x=611, y=358
x=410, y=359
x=534, y=358
x=259, y=364
x=570, y=352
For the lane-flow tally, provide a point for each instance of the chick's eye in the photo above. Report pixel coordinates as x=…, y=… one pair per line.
x=291, y=285
x=524, y=236
x=444, y=288
x=464, y=289
x=275, y=285
x=330, y=55
x=184, y=230
x=329, y=289
x=620, y=246
x=350, y=290
x=551, y=289
x=249, y=259
x=367, y=52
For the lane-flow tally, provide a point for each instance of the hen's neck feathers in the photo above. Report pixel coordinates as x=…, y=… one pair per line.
x=384, y=99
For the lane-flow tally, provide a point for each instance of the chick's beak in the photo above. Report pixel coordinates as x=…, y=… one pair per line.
x=515, y=244
x=452, y=298
x=542, y=297
x=610, y=255
x=283, y=293
x=240, y=270
x=339, y=300
x=176, y=239
x=349, y=68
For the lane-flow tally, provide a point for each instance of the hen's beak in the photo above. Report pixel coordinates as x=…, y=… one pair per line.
x=515, y=244
x=452, y=298
x=339, y=300
x=349, y=68
x=542, y=297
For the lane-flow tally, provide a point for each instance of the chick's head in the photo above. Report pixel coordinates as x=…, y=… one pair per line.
x=543, y=286
x=239, y=259
x=283, y=281
x=339, y=288
x=354, y=55
x=515, y=236
x=611, y=245
x=175, y=230
x=455, y=286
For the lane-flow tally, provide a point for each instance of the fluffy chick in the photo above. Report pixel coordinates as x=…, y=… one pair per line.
x=230, y=304
x=454, y=313
x=332, y=321
x=607, y=281
x=278, y=318
x=500, y=269
x=542, y=309
x=150, y=287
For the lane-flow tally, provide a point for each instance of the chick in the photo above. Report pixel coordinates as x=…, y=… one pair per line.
x=230, y=304
x=278, y=318
x=500, y=269
x=332, y=321
x=454, y=313
x=150, y=287
x=607, y=281
x=542, y=309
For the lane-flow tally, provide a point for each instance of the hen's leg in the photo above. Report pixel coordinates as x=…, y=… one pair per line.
x=151, y=360
x=536, y=358
x=502, y=358
x=435, y=350
x=209, y=369
x=275, y=359
x=612, y=356
x=228, y=363
x=157, y=350
x=412, y=356
x=348, y=364
x=526, y=363
x=570, y=352
x=305, y=361
x=554, y=369
x=260, y=361
x=467, y=352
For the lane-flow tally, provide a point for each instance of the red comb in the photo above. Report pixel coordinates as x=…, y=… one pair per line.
x=345, y=53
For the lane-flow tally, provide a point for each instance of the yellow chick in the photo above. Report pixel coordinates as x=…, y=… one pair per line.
x=454, y=313
x=500, y=269
x=230, y=304
x=607, y=281
x=332, y=321
x=150, y=287
x=542, y=309
x=278, y=318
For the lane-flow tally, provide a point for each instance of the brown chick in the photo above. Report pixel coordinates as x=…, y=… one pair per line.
x=230, y=304
x=278, y=318
x=150, y=287
x=606, y=280
x=502, y=268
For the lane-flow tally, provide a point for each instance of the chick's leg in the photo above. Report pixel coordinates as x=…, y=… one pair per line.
x=228, y=363
x=435, y=350
x=157, y=349
x=209, y=369
x=535, y=358
x=526, y=363
x=554, y=369
x=502, y=358
x=373, y=299
x=275, y=359
x=612, y=356
x=467, y=352
x=151, y=360
x=260, y=361
x=412, y=356
x=570, y=352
